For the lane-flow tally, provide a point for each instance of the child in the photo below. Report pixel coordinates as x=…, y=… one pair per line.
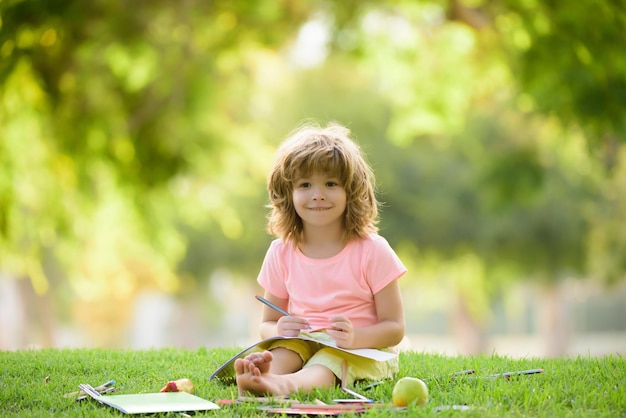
x=328, y=268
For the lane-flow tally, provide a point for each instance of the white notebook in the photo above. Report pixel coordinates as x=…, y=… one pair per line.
x=145, y=403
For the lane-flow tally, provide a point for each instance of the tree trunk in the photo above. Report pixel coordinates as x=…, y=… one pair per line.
x=552, y=320
x=469, y=333
x=38, y=330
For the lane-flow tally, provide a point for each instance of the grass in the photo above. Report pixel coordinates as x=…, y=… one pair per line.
x=32, y=383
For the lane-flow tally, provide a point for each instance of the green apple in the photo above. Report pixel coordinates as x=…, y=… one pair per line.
x=409, y=390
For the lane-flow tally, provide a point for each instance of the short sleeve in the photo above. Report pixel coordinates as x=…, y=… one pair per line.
x=272, y=274
x=382, y=264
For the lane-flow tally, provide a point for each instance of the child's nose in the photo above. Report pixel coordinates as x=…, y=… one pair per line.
x=318, y=193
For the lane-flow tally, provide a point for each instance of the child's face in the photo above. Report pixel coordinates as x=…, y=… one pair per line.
x=319, y=200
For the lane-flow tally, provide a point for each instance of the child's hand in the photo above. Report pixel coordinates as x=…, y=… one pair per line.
x=290, y=326
x=342, y=331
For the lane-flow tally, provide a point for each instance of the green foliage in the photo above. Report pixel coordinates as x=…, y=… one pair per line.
x=109, y=114
x=136, y=140
x=33, y=383
x=572, y=70
x=607, y=237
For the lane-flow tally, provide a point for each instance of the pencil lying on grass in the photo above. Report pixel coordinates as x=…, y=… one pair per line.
x=103, y=387
x=462, y=373
x=101, y=392
x=507, y=375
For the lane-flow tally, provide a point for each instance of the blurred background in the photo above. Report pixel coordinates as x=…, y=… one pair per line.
x=135, y=140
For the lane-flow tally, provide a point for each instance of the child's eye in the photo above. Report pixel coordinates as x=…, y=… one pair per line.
x=331, y=184
x=304, y=185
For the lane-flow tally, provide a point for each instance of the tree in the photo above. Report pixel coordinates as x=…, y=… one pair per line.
x=571, y=69
x=491, y=170
x=116, y=124
x=136, y=140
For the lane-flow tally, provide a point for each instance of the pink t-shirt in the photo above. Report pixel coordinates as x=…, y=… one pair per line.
x=344, y=284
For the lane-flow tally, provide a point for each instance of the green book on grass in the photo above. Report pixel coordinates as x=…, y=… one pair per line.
x=146, y=403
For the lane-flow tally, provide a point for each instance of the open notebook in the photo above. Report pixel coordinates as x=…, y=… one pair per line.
x=226, y=370
x=146, y=403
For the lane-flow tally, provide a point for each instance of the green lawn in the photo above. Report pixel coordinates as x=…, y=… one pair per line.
x=32, y=383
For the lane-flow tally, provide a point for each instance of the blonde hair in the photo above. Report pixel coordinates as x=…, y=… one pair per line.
x=328, y=150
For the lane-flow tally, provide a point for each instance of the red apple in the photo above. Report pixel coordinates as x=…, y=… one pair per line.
x=180, y=385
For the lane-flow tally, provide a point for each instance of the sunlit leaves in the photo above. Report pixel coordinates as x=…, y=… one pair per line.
x=607, y=238
x=424, y=67
x=27, y=181
x=135, y=67
x=573, y=70
x=143, y=123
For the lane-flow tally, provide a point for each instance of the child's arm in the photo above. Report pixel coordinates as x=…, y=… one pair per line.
x=389, y=330
x=274, y=323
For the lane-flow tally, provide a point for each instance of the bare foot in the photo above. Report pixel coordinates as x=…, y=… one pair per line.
x=253, y=376
x=261, y=360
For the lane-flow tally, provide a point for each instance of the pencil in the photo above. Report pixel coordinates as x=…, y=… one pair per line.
x=507, y=375
x=271, y=305
x=532, y=371
x=464, y=372
x=100, y=388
